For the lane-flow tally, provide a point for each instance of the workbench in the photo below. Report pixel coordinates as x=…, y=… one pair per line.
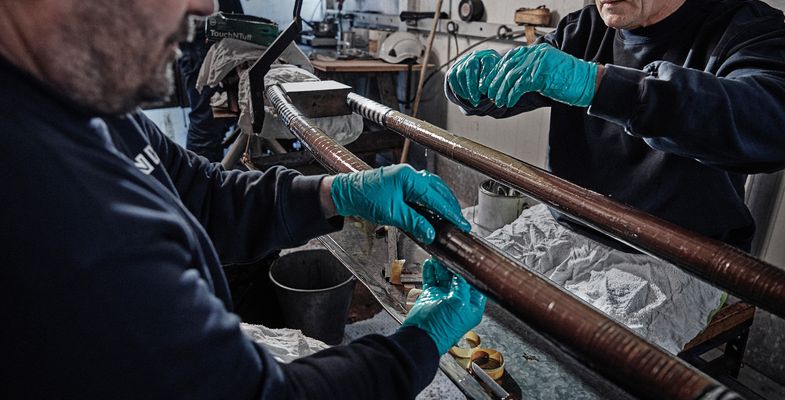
x=538, y=369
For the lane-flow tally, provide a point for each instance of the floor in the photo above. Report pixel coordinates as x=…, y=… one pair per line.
x=753, y=385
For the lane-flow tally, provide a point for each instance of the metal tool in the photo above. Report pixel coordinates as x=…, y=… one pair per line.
x=414, y=16
x=495, y=388
x=327, y=28
x=262, y=66
x=319, y=99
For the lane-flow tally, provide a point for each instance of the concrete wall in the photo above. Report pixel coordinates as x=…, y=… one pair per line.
x=281, y=10
x=776, y=3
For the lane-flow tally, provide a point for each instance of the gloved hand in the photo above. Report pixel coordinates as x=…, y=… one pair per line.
x=545, y=69
x=447, y=308
x=468, y=76
x=380, y=196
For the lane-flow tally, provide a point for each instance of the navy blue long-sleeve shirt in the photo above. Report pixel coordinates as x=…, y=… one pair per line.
x=111, y=243
x=686, y=108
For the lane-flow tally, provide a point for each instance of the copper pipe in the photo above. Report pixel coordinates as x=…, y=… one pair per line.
x=235, y=152
x=610, y=348
x=715, y=262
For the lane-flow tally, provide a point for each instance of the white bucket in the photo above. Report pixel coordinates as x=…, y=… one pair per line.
x=498, y=205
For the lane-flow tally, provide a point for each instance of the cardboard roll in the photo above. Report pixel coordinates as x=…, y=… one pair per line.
x=490, y=360
x=411, y=298
x=471, y=10
x=466, y=346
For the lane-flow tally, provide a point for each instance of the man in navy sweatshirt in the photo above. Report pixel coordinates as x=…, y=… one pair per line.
x=113, y=236
x=665, y=105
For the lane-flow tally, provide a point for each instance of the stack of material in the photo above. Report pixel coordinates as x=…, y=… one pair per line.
x=231, y=55
x=655, y=299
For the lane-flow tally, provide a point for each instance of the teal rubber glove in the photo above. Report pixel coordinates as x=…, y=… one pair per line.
x=380, y=196
x=545, y=69
x=467, y=75
x=447, y=308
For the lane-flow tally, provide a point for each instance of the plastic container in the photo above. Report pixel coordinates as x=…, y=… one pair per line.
x=498, y=205
x=314, y=291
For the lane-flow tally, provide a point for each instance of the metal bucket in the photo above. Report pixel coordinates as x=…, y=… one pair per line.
x=314, y=291
x=498, y=205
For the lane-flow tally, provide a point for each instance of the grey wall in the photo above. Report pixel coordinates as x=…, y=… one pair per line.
x=776, y=3
x=281, y=10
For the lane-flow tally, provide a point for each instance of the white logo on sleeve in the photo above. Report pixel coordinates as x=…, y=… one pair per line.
x=147, y=160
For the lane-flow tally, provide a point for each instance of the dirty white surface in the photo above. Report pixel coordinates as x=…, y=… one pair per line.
x=284, y=344
x=655, y=299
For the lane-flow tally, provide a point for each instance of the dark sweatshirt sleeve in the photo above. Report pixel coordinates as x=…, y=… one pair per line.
x=158, y=332
x=395, y=367
x=732, y=119
x=247, y=214
x=115, y=305
x=172, y=337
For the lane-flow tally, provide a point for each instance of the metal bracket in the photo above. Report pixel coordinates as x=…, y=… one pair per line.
x=319, y=99
x=262, y=66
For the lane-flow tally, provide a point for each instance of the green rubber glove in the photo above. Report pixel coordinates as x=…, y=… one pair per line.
x=447, y=308
x=467, y=75
x=545, y=69
x=380, y=196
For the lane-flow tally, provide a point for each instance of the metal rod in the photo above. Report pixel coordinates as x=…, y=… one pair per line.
x=610, y=348
x=235, y=151
x=261, y=67
x=715, y=262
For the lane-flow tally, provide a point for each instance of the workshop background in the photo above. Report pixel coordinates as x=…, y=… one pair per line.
x=524, y=136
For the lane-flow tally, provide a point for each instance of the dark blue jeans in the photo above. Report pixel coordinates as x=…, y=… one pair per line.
x=205, y=133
